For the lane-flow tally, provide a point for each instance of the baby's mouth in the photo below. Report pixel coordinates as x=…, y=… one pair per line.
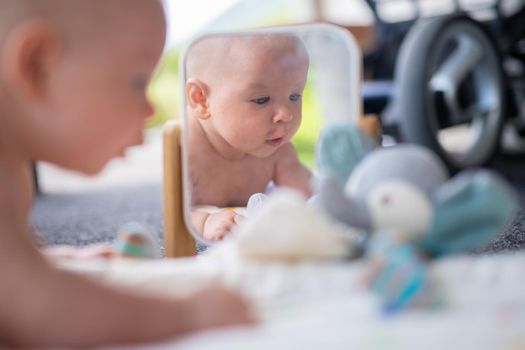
x=275, y=142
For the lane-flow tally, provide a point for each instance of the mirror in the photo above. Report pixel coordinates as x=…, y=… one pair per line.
x=253, y=104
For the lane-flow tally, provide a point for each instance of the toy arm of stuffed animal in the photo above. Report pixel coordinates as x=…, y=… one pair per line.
x=471, y=209
x=340, y=147
x=397, y=273
x=332, y=200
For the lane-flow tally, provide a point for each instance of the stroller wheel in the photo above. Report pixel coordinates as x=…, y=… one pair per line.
x=449, y=82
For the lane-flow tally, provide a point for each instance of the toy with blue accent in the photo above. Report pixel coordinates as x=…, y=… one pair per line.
x=410, y=207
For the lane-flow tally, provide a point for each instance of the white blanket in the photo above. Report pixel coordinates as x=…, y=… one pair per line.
x=323, y=305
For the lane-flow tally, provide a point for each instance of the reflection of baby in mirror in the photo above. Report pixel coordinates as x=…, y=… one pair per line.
x=244, y=98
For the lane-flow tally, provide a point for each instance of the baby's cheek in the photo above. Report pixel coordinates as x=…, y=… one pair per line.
x=247, y=133
x=296, y=123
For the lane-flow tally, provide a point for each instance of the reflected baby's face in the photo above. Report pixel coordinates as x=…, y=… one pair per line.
x=257, y=105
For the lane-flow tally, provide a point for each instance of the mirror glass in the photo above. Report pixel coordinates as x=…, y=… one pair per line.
x=253, y=106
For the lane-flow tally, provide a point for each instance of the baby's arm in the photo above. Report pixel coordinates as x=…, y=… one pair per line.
x=99, y=250
x=290, y=172
x=214, y=226
x=43, y=306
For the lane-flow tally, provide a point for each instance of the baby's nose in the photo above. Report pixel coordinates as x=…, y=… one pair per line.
x=148, y=111
x=282, y=115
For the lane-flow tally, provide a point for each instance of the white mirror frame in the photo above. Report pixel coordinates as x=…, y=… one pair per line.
x=354, y=79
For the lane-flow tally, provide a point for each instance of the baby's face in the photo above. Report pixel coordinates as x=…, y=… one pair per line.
x=99, y=92
x=258, y=106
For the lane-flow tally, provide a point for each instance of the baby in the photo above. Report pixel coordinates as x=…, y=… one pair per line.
x=244, y=101
x=73, y=75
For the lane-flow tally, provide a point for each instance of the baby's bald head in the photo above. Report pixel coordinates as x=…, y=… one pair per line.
x=214, y=58
x=75, y=19
x=69, y=69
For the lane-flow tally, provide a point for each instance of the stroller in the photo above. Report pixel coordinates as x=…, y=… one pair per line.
x=458, y=78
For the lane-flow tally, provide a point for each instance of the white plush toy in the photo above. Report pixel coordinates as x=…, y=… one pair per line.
x=284, y=227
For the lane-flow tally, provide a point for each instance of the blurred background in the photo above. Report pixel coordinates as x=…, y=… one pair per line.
x=74, y=209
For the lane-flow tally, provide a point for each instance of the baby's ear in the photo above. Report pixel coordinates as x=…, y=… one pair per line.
x=30, y=52
x=197, y=98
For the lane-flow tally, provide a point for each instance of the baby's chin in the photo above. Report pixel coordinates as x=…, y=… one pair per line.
x=92, y=170
x=90, y=167
x=264, y=152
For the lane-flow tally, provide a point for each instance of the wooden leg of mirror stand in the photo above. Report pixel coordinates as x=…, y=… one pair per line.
x=371, y=124
x=178, y=242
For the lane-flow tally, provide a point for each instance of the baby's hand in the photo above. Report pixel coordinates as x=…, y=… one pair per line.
x=218, y=225
x=216, y=307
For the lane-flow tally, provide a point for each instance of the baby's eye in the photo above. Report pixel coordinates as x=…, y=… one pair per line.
x=261, y=100
x=295, y=97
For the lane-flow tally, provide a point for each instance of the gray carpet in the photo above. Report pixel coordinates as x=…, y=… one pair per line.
x=84, y=218
x=512, y=167
x=513, y=237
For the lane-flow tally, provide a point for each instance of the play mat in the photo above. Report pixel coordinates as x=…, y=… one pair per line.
x=323, y=304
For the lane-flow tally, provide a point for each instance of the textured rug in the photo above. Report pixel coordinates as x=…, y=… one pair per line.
x=89, y=217
x=83, y=218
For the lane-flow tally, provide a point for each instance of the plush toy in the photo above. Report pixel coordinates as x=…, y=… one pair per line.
x=283, y=227
x=135, y=241
x=403, y=197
